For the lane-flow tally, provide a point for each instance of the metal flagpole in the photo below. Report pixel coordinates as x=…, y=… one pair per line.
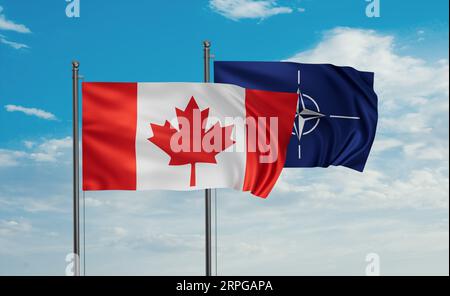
x=208, y=245
x=76, y=170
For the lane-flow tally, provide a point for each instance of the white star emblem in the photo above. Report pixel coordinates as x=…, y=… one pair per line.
x=303, y=114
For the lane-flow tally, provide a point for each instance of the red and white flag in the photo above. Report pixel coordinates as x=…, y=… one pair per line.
x=184, y=136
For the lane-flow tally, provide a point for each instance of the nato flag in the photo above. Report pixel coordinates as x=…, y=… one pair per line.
x=336, y=116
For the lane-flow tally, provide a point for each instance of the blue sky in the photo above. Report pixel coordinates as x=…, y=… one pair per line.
x=394, y=208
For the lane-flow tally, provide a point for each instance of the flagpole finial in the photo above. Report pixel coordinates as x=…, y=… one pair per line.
x=206, y=43
x=75, y=64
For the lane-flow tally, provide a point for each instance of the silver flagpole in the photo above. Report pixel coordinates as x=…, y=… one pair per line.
x=208, y=246
x=76, y=170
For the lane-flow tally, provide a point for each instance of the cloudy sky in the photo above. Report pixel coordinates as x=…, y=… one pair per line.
x=316, y=222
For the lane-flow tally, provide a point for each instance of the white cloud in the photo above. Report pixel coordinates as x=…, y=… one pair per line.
x=407, y=164
x=9, y=227
x=12, y=44
x=413, y=122
x=412, y=92
x=426, y=151
x=32, y=203
x=9, y=158
x=56, y=204
x=9, y=25
x=51, y=150
x=29, y=144
x=400, y=81
x=31, y=111
x=301, y=239
x=382, y=145
x=93, y=202
x=248, y=9
x=119, y=231
x=341, y=188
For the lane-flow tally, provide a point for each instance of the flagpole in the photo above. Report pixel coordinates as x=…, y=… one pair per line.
x=76, y=170
x=208, y=245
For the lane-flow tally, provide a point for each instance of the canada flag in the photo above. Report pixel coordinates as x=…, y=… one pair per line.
x=184, y=136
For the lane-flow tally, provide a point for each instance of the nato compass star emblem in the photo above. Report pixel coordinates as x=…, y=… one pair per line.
x=308, y=116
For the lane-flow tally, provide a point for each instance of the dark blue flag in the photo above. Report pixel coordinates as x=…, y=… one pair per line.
x=337, y=111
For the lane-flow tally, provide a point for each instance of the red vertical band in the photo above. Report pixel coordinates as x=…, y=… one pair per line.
x=109, y=133
x=260, y=177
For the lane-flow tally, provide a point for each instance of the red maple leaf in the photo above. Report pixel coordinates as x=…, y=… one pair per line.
x=197, y=144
